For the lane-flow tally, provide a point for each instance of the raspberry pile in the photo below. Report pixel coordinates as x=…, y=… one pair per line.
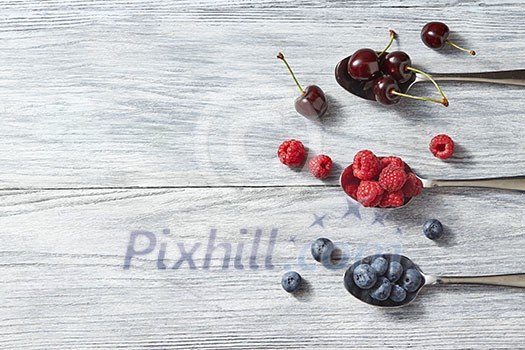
x=380, y=181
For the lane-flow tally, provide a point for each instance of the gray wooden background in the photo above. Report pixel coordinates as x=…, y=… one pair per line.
x=127, y=115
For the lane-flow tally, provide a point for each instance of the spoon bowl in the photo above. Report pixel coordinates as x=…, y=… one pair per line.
x=404, y=281
x=365, y=295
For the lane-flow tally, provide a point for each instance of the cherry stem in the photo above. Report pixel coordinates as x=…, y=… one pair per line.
x=281, y=57
x=444, y=100
x=472, y=52
x=392, y=37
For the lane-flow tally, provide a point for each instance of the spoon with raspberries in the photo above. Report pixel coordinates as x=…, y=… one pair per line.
x=391, y=280
x=387, y=182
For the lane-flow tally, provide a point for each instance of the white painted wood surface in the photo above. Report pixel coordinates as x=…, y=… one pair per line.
x=120, y=116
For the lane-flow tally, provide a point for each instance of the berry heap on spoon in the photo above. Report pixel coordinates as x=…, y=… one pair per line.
x=380, y=181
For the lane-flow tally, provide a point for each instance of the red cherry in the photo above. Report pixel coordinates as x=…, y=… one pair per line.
x=312, y=102
x=435, y=35
x=363, y=64
x=396, y=65
x=384, y=88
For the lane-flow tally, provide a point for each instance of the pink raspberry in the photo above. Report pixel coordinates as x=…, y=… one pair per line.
x=366, y=165
x=291, y=153
x=392, y=178
x=320, y=166
x=392, y=199
x=413, y=186
x=441, y=146
x=386, y=161
x=369, y=193
x=350, y=182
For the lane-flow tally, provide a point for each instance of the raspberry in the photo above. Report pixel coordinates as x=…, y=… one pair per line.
x=392, y=199
x=350, y=182
x=366, y=165
x=392, y=178
x=320, y=166
x=369, y=193
x=291, y=153
x=441, y=146
x=413, y=186
x=386, y=161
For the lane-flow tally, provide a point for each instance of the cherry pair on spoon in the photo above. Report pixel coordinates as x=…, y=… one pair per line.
x=381, y=76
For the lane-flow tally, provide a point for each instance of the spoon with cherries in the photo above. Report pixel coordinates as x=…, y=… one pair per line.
x=386, y=77
x=381, y=76
x=391, y=280
x=387, y=182
x=365, y=89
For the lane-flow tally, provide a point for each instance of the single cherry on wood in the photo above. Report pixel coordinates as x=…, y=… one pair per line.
x=312, y=101
x=435, y=35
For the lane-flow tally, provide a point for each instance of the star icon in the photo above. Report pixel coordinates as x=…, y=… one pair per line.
x=318, y=220
x=379, y=217
x=398, y=231
x=292, y=238
x=353, y=208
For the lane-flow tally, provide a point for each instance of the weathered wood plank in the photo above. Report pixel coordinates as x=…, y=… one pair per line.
x=64, y=286
x=135, y=93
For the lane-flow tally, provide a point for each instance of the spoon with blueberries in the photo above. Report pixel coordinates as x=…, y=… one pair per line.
x=385, y=76
x=388, y=182
x=391, y=280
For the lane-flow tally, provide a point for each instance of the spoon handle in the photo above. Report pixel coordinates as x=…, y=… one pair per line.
x=505, y=183
x=512, y=280
x=508, y=77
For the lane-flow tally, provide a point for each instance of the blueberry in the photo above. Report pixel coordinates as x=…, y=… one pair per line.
x=395, y=270
x=322, y=249
x=365, y=276
x=433, y=229
x=380, y=265
x=411, y=280
x=291, y=281
x=398, y=294
x=383, y=291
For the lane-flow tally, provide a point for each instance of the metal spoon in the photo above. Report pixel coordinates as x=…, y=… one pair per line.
x=364, y=89
x=516, y=183
x=508, y=280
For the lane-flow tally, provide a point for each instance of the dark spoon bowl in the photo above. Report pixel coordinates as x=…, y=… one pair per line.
x=364, y=294
x=359, y=88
